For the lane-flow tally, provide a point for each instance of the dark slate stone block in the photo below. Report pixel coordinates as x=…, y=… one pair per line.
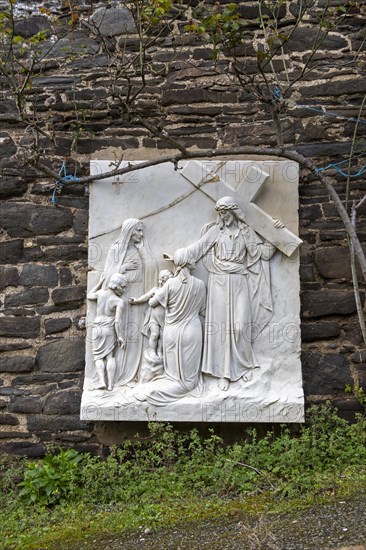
x=26, y=220
x=66, y=384
x=11, y=251
x=330, y=210
x=6, y=390
x=20, y=311
x=198, y=95
x=325, y=374
x=68, y=295
x=63, y=402
x=333, y=225
x=14, y=346
x=59, y=423
x=12, y=328
x=39, y=275
x=7, y=146
x=43, y=378
x=17, y=364
x=33, y=254
x=8, y=277
x=359, y=356
x=48, y=310
x=78, y=437
x=27, y=405
x=37, y=295
x=348, y=408
x=42, y=389
x=252, y=11
x=57, y=325
x=311, y=212
x=81, y=222
x=59, y=82
x=335, y=88
x=307, y=273
x=311, y=332
x=87, y=146
x=303, y=39
x=62, y=356
x=316, y=303
x=51, y=220
x=60, y=241
x=327, y=149
x=332, y=235
x=361, y=373
x=73, y=202
x=348, y=404
x=358, y=40
x=15, y=169
x=23, y=448
x=65, y=276
x=67, y=253
x=91, y=62
x=32, y=25
x=12, y=187
x=8, y=110
x=14, y=435
x=87, y=94
x=75, y=189
x=333, y=262
x=9, y=419
x=77, y=44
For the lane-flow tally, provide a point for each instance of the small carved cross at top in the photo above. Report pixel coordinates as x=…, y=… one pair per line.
x=117, y=183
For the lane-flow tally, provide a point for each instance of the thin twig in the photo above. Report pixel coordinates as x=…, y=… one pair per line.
x=356, y=288
x=260, y=472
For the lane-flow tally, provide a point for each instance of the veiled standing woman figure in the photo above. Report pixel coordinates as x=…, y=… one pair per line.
x=131, y=255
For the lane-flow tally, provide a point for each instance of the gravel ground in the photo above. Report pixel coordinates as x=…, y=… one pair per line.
x=335, y=525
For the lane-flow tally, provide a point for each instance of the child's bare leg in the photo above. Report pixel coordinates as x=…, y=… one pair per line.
x=100, y=368
x=111, y=370
x=160, y=343
x=154, y=339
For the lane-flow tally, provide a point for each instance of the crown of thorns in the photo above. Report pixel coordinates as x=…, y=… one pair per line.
x=230, y=206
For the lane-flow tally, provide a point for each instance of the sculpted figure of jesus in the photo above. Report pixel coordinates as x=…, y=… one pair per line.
x=107, y=329
x=238, y=294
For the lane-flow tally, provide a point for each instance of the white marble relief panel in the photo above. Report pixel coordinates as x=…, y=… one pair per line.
x=193, y=294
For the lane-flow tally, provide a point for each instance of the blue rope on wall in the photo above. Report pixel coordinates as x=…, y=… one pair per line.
x=332, y=113
x=278, y=97
x=62, y=182
x=335, y=166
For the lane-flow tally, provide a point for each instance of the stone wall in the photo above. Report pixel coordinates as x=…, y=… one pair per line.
x=43, y=248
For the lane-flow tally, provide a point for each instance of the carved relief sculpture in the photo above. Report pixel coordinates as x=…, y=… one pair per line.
x=155, y=318
x=130, y=254
x=218, y=337
x=239, y=291
x=184, y=299
x=108, y=329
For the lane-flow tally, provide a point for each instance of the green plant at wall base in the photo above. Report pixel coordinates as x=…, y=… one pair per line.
x=169, y=477
x=169, y=463
x=52, y=480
